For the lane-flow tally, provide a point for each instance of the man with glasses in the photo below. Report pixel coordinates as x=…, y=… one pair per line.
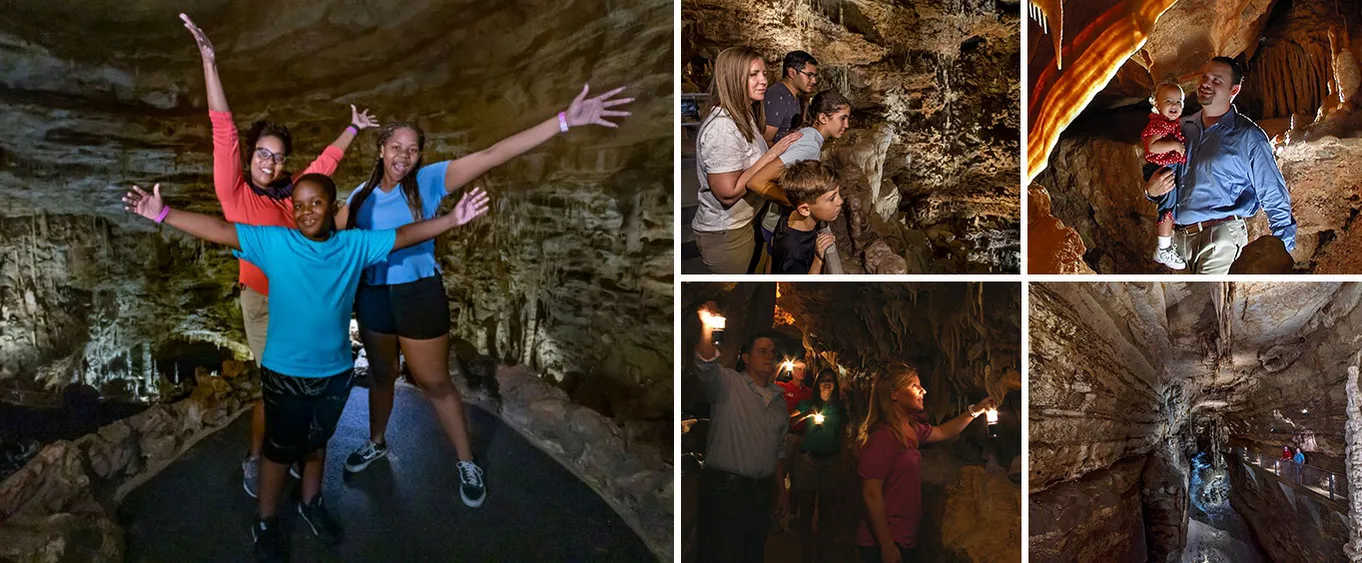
x=783, y=107
x=783, y=104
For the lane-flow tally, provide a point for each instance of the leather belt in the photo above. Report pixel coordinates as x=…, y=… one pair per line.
x=1198, y=227
x=728, y=477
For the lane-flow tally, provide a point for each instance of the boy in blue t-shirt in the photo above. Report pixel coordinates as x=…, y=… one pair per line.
x=306, y=371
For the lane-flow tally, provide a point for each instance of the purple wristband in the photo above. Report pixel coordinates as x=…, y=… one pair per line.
x=352, y=126
x=164, y=211
x=562, y=121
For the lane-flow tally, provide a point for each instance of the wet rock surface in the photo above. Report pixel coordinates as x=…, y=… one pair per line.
x=935, y=117
x=1153, y=374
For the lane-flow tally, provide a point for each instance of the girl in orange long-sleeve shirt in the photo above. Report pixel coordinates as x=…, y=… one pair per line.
x=259, y=194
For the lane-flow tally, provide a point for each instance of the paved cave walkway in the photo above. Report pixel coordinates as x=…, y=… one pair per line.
x=403, y=508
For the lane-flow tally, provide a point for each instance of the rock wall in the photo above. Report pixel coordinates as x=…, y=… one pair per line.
x=631, y=474
x=60, y=506
x=1111, y=530
x=82, y=301
x=1129, y=380
x=941, y=78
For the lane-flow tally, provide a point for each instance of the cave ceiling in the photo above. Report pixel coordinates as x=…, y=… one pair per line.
x=114, y=94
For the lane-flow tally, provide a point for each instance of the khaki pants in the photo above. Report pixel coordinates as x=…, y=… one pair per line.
x=255, y=313
x=1214, y=249
x=727, y=252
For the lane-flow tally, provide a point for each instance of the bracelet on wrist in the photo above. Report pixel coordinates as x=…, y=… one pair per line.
x=353, y=126
x=164, y=211
x=562, y=122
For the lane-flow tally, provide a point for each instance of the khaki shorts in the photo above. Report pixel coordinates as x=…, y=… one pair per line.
x=727, y=252
x=255, y=313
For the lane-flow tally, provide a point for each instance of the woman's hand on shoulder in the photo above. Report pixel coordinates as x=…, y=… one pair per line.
x=783, y=144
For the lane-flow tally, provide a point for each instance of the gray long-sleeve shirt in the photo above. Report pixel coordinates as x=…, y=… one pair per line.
x=747, y=422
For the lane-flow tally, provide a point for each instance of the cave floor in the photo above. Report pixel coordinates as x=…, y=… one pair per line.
x=403, y=508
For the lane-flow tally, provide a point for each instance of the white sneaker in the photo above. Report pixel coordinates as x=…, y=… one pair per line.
x=1169, y=257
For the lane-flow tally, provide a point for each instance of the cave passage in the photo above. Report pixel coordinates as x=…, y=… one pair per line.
x=1190, y=422
x=963, y=338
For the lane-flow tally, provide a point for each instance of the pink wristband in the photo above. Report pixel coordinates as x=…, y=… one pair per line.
x=562, y=122
x=352, y=126
x=164, y=211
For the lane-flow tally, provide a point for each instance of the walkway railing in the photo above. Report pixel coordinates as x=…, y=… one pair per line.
x=1329, y=484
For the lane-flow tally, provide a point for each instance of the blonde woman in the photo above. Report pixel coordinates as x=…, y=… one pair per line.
x=891, y=465
x=729, y=149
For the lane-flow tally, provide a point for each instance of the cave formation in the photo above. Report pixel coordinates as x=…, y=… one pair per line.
x=579, y=237
x=1088, y=107
x=935, y=122
x=1158, y=413
x=965, y=340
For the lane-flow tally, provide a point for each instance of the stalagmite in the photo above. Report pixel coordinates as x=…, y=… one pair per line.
x=1353, y=462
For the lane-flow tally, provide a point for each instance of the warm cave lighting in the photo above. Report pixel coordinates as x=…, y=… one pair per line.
x=818, y=418
x=992, y=416
x=787, y=366
x=716, y=325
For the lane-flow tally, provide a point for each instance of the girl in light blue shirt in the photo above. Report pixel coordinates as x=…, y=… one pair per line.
x=401, y=305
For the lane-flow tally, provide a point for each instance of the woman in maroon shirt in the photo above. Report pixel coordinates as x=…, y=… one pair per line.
x=891, y=466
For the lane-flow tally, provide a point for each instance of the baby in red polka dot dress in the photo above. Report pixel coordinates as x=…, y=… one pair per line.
x=1163, y=147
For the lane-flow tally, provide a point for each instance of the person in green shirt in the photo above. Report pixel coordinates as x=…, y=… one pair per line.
x=819, y=464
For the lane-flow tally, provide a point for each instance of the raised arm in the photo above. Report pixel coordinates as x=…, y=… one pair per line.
x=581, y=112
x=359, y=121
x=217, y=99
x=205, y=227
x=957, y=425
x=470, y=206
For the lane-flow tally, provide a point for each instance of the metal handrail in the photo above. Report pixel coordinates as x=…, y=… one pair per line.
x=1316, y=478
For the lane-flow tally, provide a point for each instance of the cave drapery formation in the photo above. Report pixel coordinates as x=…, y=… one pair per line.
x=579, y=236
x=930, y=165
x=1302, y=72
x=1129, y=382
x=965, y=340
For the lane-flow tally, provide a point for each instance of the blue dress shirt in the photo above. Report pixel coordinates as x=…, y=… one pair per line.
x=1230, y=170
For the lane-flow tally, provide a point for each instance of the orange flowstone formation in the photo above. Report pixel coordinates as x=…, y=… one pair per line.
x=1097, y=52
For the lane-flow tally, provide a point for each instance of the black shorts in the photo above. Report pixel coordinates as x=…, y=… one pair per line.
x=301, y=412
x=418, y=310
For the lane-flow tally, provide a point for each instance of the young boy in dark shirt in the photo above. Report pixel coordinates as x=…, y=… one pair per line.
x=799, y=247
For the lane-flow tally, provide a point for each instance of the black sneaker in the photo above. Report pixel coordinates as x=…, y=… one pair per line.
x=265, y=533
x=366, y=454
x=320, y=521
x=471, y=487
